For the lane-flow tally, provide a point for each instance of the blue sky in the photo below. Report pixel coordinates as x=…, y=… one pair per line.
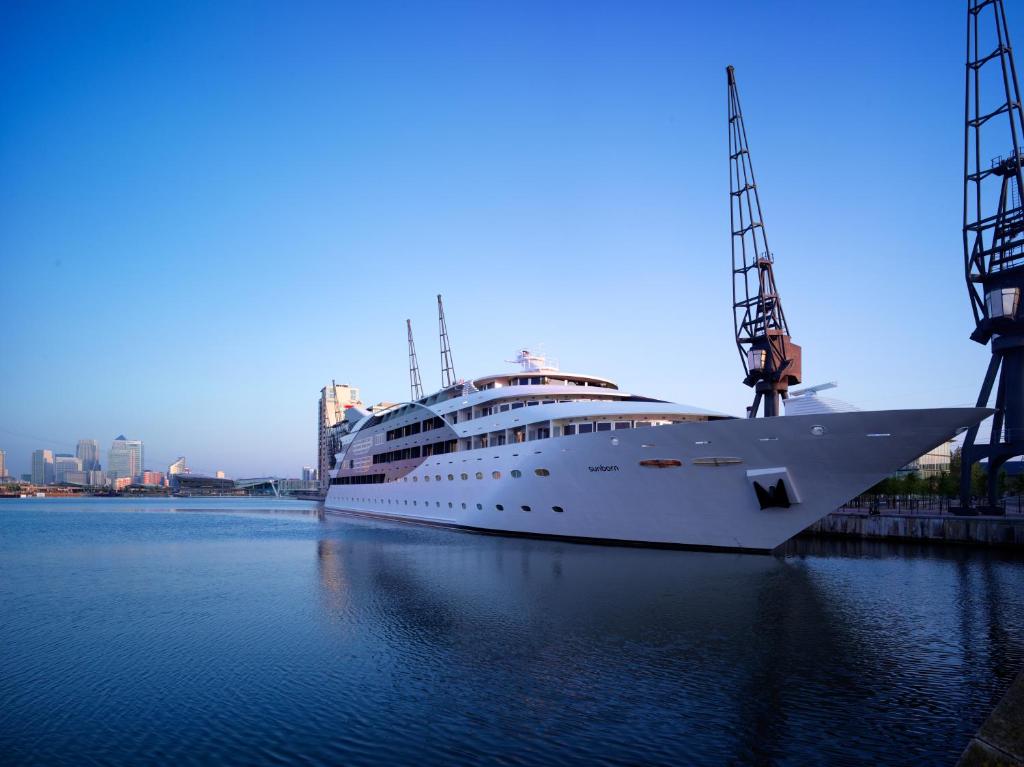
x=210, y=210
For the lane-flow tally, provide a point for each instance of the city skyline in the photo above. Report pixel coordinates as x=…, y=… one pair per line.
x=560, y=175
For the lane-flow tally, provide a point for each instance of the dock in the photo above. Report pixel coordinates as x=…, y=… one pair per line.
x=920, y=526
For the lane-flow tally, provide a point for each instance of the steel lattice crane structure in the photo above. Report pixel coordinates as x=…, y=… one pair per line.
x=771, y=360
x=415, y=384
x=993, y=235
x=447, y=368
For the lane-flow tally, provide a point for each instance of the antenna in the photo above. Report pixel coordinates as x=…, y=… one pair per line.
x=770, y=358
x=415, y=385
x=447, y=368
x=993, y=235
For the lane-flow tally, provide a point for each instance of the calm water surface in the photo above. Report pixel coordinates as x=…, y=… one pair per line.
x=255, y=632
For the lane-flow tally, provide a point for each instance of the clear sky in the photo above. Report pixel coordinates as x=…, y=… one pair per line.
x=210, y=210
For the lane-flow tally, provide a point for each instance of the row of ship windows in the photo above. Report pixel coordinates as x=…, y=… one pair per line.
x=377, y=479
x=518, y=435
x=437, y=504
x=415, y=428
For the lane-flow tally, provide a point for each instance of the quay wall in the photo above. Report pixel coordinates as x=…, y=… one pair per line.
x=940, y=528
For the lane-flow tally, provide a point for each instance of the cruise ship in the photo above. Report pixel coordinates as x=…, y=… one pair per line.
x=541, y=452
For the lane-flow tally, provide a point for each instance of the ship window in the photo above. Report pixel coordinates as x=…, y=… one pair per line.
x=549, y=402
x=604, y=426
x=542, y=472
x=450, y=505
x=570, y=429
x=438, y=477
x=559, y=509
x=586, y=428
x=351, y=464
x=451, y=477
x=504, y=408
x=414, y=503
x=534, y=402
x=525, y=508
x=464, y=476
x=517, y=405
x=415, y=479
x=535, y=381
x=496, y=474
x=499, y=507
x=479, y=475
x=463, y=505
x=622, y=424
x=640, y=424
x=516, y=474
x=479, y=507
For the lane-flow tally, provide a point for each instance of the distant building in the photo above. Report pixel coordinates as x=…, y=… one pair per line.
x=120, y=483
x=152, y=478
x=42, y=467
x=196, y=484
x=178, y=467
x=219, y=474
x=334, y=401
x=76, y=477
x=88, y=452
x=3, y=465
x=96, y=478
x=932, y=463
x=308, y=474
x=125, y=458
x=64, y=463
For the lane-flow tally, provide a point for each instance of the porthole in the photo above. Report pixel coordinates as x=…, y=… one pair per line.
x=479, y=475
x=464, y=476
x=427, y=478
x=438, y=477
x=414, y=503
x=451, y=477
x=479, y=507
x=516, y=474
x=559, y=509
x=542, y=472
x=525, y=508
x=499, y=507
x=463, y=506
x=496, y=475
x=449, y=504
x=438, y=504
x=415, y=479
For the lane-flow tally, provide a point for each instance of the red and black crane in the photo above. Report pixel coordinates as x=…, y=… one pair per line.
x=770, y=358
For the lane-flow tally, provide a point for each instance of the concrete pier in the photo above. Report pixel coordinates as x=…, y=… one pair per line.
x=1000, y=741
x=940, y=528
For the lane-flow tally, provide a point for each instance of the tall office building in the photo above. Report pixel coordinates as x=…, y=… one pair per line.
x=63, y=463
x=42, y=467
x=3, y=465
x=334, y=401
x=125, y=458
x=88, y=452
x=308, y=473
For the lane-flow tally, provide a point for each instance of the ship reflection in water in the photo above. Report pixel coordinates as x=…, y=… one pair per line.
x=259, y=636
x=529, y=648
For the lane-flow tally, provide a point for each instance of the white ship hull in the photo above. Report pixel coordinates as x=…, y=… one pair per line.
x=596, y=487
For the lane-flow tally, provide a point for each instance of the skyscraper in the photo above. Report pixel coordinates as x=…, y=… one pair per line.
x=125, y=458
x=308, y=474
x=3, y=465
x=42, y=467
x=334, y=401
x=63, y=464
x=88, y=452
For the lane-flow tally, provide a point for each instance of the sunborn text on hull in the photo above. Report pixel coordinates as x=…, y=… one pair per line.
x=546, y=453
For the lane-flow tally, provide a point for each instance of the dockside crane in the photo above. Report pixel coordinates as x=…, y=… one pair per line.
x=447, y=368
x=771, y=361
x=993, y=236
x=415, y=384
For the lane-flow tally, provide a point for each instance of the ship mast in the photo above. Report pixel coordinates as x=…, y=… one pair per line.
x=771, y=361
x=447, y=368
x=993, y=235
x=415, y=385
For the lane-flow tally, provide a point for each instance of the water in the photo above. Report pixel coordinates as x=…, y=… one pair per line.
x=255, y=632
